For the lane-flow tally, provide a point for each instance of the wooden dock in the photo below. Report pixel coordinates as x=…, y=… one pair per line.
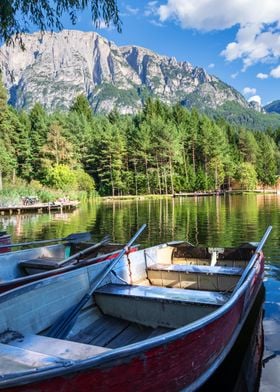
x=39, y=208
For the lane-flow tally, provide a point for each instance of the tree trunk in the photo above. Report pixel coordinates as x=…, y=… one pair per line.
x=185, y=168
x=159, y=181
x=147, y=176
x=206, y=174
x=135, y=174
x=14, y=177
x=165, y=181
x=111, y=176
x=171, y=175
x=193, y=156
x=216, y=177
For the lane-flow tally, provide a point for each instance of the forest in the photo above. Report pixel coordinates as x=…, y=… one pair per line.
x=160, y=150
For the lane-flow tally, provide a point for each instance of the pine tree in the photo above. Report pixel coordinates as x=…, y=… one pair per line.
x=82, y=107
x=57, y=150
x=267, y=160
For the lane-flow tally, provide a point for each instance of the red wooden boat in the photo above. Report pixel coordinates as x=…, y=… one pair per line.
x=161, y=319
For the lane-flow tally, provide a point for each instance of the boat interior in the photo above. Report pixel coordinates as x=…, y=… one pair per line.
x=198, y=268
x=18, y=264
x=48, y=262
x=150, y=293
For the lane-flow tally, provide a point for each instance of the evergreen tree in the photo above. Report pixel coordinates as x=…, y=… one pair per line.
x=38, y=137
x=191, y=139
x=7, y=162
x=139, y=151
x=57, y=150
x=267, y=160
x=21, y=144
x=247, y=176
x=82, y=107
x=159, y=150
x=248, y=146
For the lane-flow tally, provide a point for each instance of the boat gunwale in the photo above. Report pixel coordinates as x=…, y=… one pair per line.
x=150, y=343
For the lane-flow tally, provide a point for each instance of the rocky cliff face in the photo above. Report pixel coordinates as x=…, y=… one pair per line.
x=54, y=68
x=256, y=106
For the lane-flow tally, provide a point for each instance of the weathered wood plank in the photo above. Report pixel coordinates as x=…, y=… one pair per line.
x=58, y=347
x=200, y=269
x=157, y=306
x=17, y=360
x=102, y=331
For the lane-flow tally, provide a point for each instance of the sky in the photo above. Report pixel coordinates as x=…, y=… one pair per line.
x=236, y=40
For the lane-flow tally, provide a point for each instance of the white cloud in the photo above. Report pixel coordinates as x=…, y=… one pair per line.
x=275, y=73
x=255, y=98
x=253, y=44
x=212, y=65
x=156, y=23
x=131, y=10
x=258, y=37
x=262, y=76
x=234, y=75
x=151, y=8
x=249, y=91
x=219, y=14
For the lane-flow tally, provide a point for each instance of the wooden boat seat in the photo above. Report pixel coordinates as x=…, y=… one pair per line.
x=41, y=352
x=197, y=277
x=164, y=294
x=17, y=360
x=57, y=347
x=157, y=306
x=41, y=264
x=199, y=269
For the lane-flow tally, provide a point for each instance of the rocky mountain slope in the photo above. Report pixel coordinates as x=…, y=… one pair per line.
x=54, y=68
x=273, y=107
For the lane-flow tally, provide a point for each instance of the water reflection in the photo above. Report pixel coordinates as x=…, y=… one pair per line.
x=226, y=220
x=270, y=380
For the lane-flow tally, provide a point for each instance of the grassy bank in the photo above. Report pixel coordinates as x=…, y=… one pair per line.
x=12, y=195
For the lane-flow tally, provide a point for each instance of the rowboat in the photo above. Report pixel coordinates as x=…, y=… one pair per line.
x=158, y=319
x=24, y=266
x=5, y=240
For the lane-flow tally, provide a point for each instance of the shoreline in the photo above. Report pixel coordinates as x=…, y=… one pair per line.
x=185, y=194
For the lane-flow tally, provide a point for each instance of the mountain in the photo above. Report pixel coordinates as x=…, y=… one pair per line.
x=273, y=107
x=251, y=119
x=54, y=68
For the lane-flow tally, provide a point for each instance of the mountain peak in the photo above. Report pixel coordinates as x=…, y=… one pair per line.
x=56, y=67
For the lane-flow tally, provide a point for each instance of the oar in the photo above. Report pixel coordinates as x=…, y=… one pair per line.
x=84, y=252
x=76, y=237
x=253, y=259
x=64, y=323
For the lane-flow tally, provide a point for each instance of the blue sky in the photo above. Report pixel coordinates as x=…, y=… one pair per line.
x=236, y=40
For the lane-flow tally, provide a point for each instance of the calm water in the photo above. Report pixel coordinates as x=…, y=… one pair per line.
x=212, y=221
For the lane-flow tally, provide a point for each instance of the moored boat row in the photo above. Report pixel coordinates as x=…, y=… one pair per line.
x=161, y=318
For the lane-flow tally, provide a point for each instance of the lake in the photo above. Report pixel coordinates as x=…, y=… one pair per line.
x=212, y=221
